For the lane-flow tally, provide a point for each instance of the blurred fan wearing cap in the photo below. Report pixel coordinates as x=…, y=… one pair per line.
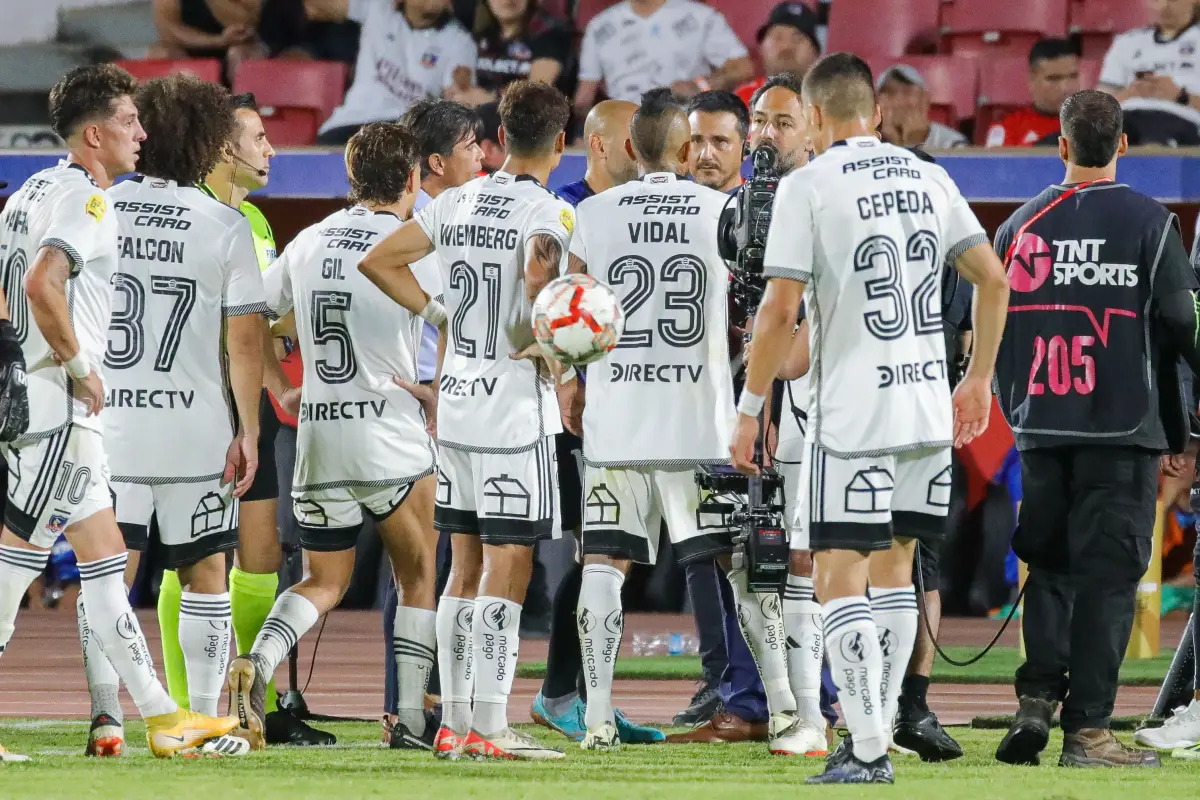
x=787, y=42
x=904, y=100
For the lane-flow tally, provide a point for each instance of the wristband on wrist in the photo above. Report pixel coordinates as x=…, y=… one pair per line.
x=434, y=312
x=78, y=367
x=751, y=404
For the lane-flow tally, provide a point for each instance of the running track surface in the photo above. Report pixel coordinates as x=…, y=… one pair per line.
x=41, y=674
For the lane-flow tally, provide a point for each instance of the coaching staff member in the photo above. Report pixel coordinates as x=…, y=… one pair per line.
x=1101, y=309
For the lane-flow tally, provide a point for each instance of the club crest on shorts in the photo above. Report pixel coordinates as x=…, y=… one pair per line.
x=601, y=507
x=939, y=488
x=506, y=497
x=615, y=622
x=57, y=523
x=853, y=646
x=586, y=622
x=495, y=616
x=209, y=515
x=870, y=491
x=442, y=496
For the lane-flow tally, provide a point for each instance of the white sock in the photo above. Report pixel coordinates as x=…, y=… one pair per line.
x=852, y=645
x=290, y=618
x=205, y=625
x=600, y=622
x=760, y=618
x=455, y=651
x=805, y=655
x=19, y=568
x=895, y=613
x=495, y=642
x=103, y=684
x=413, y=642
x=111, y=620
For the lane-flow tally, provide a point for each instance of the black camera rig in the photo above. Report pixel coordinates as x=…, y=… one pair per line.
x=754, y=505
x=742, y=231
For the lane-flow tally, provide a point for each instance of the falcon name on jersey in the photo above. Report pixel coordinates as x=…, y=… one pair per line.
x=60, y=207
x=664, y=395
x=488, y=401
x=867, y=226
x=187, y=261
x=357, y=427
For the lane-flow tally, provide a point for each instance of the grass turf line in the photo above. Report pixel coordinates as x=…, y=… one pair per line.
x=359, y=768
x=998, y=666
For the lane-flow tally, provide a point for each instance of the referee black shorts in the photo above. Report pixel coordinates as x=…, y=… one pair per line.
x=569, y=455
x=266, y=480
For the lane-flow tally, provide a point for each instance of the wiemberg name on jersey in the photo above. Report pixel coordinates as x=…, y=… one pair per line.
x=341, y=409
x=483, y=236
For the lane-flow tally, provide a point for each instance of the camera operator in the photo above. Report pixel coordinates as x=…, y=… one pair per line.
x=1087, y=377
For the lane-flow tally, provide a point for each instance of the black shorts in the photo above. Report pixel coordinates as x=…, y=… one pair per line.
x=569, y=453
x=1088, y=507
x=266, y=480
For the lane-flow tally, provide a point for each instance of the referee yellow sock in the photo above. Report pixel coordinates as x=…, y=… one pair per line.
x=169, y=594
x=252, y=596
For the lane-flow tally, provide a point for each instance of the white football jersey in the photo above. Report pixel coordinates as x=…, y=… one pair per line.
x=867, y=226
x=187, y=262
x=1144, y=50
x=60, y=207
x=664, y=395
x=357, y=427
x=480, y=231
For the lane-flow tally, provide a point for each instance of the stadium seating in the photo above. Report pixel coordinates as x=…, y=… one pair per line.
x=1003, y=88
x=586, y=9
x=295, y=96
x=747, y=16
x=883, y=27
x=145, y=69
x=1097, y=21
x=952, y=82
x=1089, y=72
x=1001, y=27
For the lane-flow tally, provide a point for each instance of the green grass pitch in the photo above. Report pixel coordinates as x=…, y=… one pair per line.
x=358, y=767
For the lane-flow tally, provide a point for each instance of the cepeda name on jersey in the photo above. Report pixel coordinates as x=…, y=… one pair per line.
x=483, y=236
x=341, y=409
x=884, y=204
x=150, y=398
x=356, y=240
x=167, y=251
x=655, y=373
x=884, y=167
x=472, y=388
x=663, y=204
x=156, y=215
x=672, y=232
x=916, y=372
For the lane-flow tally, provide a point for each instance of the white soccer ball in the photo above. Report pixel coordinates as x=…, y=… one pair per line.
x=577, y=320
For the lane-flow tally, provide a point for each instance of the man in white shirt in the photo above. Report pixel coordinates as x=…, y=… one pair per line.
x=409, y=50
x=1159, y=61
x=639, y=44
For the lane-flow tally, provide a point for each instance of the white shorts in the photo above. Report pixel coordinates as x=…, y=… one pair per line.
x=195, y=520
x=506, y=498
x=624, y=508
x=55, y=482
x=330, y=519
x=789, y=459
x=861, y=503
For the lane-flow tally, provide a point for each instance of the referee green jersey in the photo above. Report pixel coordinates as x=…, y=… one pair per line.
x=264, y=237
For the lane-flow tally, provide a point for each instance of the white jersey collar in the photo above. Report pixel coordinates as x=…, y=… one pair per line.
x=660, y=177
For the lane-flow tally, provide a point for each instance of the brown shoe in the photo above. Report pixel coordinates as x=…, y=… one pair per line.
x=723, y=727
x=1097, y=747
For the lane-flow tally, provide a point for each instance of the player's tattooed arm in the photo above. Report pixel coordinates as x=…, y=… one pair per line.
x=575, y=264
x=545, y=255
x=387, y=265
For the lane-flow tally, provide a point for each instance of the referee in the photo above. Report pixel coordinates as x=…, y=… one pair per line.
x=1101, y=309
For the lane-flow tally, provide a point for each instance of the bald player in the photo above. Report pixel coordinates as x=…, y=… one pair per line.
x=647, y=429
x=560, y=703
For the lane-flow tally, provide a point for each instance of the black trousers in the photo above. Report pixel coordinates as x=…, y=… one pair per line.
x=1086, y=532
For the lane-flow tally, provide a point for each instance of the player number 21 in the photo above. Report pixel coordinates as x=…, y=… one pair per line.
x=1059, y=364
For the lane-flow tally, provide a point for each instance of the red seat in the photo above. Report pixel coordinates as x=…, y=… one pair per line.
x=1089, y=72
x=952, y=82
x=295, y=96
x=146, y=69
x=883, y=27
x=1097, y=21
x=1003, y=88
x=1002, y=27
x=586, y=9
x=558, y=8
x=747, y=16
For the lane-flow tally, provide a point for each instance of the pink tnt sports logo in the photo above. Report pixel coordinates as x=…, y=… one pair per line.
x=1030, y=264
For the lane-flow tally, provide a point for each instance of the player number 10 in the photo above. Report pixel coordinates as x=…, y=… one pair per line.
x=1060, y=360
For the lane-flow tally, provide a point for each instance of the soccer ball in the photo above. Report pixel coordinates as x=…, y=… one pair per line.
x=577, y=319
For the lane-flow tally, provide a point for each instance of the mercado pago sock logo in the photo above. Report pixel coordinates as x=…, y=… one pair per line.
x=1031, y=263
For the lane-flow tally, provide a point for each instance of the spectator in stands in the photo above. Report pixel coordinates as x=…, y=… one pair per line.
x=517, y=39
x=904, y=101
x=1053, y=76
x=1158, y=62
x=719, y=122
x=410, y=50
x=787, y=42
x=489, y=136
x=639, y=44
x=221, y=29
